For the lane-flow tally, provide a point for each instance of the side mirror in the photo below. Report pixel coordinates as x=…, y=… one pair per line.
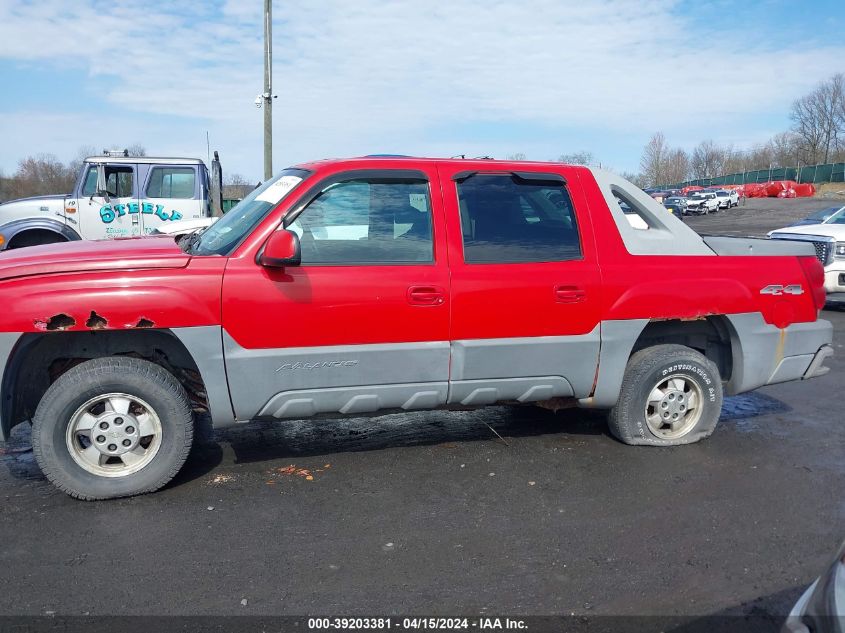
x=282, y=249
x=102, y=189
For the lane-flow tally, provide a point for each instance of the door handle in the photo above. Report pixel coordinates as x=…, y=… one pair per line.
x=570, y=294
x=426, y=295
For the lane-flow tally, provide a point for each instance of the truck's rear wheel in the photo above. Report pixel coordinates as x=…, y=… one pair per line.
x=670, y=395
x=112, y=427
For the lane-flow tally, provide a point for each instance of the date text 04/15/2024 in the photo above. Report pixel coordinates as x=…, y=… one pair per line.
x=417, y=624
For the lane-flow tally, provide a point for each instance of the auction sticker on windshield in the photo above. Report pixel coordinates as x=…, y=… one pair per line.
x=275, y=192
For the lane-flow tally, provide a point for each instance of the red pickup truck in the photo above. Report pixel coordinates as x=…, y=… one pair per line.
x=379, y=284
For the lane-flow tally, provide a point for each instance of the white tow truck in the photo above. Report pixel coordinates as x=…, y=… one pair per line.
x=115, y=195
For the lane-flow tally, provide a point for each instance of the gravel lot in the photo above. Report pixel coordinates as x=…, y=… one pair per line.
x=431, y=513
x=758, y=216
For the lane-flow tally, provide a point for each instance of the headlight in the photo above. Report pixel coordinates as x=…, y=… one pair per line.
x=839, y=251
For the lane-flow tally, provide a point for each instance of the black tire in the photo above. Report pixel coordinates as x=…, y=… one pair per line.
x=645, y=371
x=94, y=378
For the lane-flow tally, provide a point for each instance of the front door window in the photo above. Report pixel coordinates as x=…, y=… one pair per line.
x=115, y=215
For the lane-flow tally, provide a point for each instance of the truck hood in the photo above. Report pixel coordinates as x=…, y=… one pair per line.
x=836, y=231
x=127, y=254
x=35, y=199
x=35, y=202
x=36, y=207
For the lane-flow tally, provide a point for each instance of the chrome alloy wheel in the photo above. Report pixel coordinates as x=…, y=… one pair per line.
x=674, y=407
x=114, y=435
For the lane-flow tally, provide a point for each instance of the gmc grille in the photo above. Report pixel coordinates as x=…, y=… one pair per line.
x=823, y=245
x=824, y=251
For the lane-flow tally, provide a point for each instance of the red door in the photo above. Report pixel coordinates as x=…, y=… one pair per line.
x=525, y=283
x=363, y=322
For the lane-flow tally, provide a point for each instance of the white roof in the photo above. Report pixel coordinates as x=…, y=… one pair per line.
x=144, y=159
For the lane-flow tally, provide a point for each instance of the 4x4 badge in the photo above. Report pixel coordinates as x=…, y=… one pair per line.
x=794, y=289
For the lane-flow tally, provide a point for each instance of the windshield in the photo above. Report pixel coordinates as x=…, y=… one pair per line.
x=837, y=218
x=224, y=236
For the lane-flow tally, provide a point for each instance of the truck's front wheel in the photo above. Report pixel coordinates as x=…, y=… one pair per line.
x=112, y=427
x=670, y=394
x=36, y=237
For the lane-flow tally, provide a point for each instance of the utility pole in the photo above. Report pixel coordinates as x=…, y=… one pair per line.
x=268, y=90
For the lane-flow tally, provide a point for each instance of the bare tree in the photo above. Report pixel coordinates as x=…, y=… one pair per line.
x=40, y=175
x=653, y=161
x=733, y=160
x=515, y=156
x=708, y=160
x=5, y=185
x=75, y=164
x=582, y=157
x=236, y=186
x=819, y=119
x=676, y=167
x=637, y=179
x=785, y=151
x=136, y=149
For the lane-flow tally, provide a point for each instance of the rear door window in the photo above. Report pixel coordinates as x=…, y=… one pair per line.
x=172, y=182
x=506, y=218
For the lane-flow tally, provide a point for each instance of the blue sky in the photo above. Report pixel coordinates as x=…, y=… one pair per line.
x=475, y=77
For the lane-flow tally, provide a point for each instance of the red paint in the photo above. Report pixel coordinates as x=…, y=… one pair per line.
x=672, y=287
x=123, y=280
x=335, y=305
x=176, y=297
x=519, y=300
x=87, y=256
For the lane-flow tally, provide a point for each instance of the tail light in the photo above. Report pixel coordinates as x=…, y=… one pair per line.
x=814, y=272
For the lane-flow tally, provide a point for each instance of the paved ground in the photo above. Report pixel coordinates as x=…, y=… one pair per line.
x=758, y=216
x=432, y=513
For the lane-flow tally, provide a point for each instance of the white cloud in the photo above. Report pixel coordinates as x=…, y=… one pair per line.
x=370, y=74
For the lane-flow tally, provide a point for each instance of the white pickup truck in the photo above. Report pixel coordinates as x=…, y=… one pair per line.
x=114, y=196
x=828, y=238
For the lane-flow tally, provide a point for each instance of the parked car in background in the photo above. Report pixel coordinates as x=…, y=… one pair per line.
x=726, y=199
x=821, y=609
x=829, y=242
x=677, y=205
x=702, y=203
x=821, y=216
x=675, y=210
